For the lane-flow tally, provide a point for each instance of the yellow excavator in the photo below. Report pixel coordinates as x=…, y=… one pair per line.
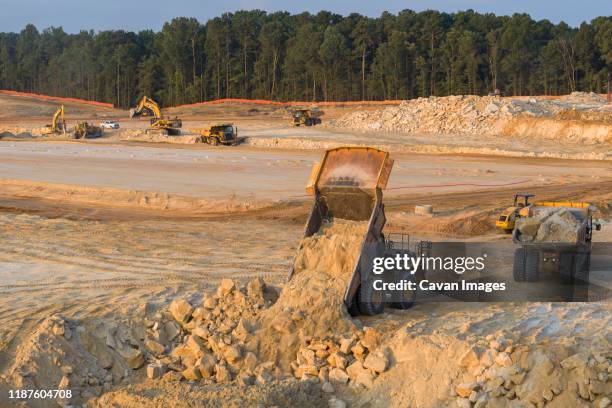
x=58, y=126
x=159, y=124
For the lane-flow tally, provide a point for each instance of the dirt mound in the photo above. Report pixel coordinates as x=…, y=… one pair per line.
x=484, y=116
x=550, y=225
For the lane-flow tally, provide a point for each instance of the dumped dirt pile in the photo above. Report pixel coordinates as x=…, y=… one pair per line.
x=550, y=225
x=487, y=115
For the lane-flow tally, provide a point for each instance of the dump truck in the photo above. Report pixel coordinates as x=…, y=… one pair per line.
x=226, y=134
x=554, y=237
x=58, y=125
x=306, y=117
x=347, y=184
x=84, y=130
x=159, y=124
x=507, y=218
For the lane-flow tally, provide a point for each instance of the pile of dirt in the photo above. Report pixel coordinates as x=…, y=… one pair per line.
x=487, y=115
x=505, y=374
x=558, y=225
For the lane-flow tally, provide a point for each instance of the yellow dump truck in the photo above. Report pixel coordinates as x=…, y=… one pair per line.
x=226, y=134
x=305, y=117
x=347, y=185
x=554, y=237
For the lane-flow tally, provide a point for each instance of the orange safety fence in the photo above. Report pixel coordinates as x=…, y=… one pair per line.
x=291, y=103
x=56, y=98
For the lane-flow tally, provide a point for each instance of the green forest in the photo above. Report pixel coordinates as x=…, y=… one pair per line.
x=312, y=57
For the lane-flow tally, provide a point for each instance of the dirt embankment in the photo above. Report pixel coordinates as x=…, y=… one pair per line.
x=576, y=118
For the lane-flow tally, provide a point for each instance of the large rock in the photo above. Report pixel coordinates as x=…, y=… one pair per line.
x=465, y=389
x=223, y=375
x=206, y=365
x=255, y=288
x=371, y=338
x=377, y=363
x=133, y=357
x=469, y=358
x=155, y=370
x=196, y=345
x=155, y=347
x=181, y=310
x=226, y=287
x=338, y=375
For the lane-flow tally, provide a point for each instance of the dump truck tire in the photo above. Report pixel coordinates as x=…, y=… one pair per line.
x=566, y=268
x=406, y=297
x=214, y=141
x=518, y=269
x=371, y=302
x=532, y=266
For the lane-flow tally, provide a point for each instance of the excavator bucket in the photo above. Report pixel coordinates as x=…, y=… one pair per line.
x=348, y=184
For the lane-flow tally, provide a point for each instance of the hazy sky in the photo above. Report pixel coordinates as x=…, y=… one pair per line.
x=75, y=15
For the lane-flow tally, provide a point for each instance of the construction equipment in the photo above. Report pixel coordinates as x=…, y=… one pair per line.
x=348, y=185
x=58, y=126
x=159, y=124
x=508, y=217
x=226, y=134
x=146, y=107
x=306, y=117
x=570, y=257
x=84, y=130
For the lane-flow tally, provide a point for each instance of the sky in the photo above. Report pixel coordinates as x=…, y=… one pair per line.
x=135, y=15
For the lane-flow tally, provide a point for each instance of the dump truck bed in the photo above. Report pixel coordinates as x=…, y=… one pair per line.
x=348, y=185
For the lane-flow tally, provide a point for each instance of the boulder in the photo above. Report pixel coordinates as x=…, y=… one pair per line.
x=181, y=310
x=338, y=375
x=377, y=363
x=465, y=389
x=226, y=287
x=155, y=370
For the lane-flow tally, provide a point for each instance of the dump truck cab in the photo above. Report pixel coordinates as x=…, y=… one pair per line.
x=226, y=134
x=507, y=218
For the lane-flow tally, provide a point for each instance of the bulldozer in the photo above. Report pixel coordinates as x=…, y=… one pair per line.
x=58, y=126
x=507, y=218
x=306, y=117
x=347, y=184
x=226, y=134
x=84, y=130
x=159, y=124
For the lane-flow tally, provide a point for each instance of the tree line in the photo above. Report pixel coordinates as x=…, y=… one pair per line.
x=312, y=57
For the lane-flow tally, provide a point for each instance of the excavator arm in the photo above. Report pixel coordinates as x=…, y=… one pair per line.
x=146, y=107
x=59, y=122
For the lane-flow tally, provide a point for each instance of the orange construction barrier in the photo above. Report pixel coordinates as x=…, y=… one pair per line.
x=56, y=98
x=291, y=103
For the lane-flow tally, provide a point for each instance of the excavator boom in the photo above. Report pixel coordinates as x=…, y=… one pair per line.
x=146, y=107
